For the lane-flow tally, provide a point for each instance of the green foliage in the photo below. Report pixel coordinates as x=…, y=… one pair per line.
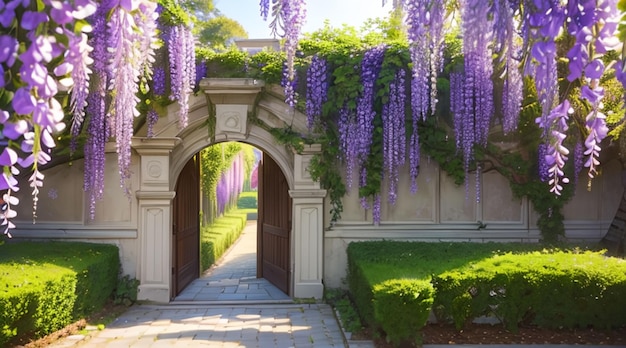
x=396, y=284
x=401, y=307
x=217, y=237
x=549, y=288
x=218, y=32
x=173, y=13
x=248, y=200
x=48, y=285
x=341, y=301
x=215, y=159
x=126, y=291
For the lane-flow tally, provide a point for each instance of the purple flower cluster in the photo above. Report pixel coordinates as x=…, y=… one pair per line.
x=132, y=30
x=158, y=81
x=593, y=24
x=152, y=118
x=230, y=185
x=543, y=23
x=507, y=48
x=316, y=89
x=348, y=142
x=472, y=91
x=293, y=14
x=595, y=123
x=201, y=71
x=370, y=68
x=555, y=153
x=425, y=19
x=182, y=58
x=542, y=165
x=264, y=6
x=578, y=160
x=45, y=64
x=394, y=134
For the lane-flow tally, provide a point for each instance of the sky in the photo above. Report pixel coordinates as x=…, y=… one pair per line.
x=351, y=12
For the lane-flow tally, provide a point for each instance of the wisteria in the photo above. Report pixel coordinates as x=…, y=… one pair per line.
x=425, y=23
x=543, y=23
x=593, y=24
x=152, y=119
x=132, y=31
x=473, y=104
x=394, y=143
x=370, y=68
x=230, y=184
x=348, y=142
x=316, y=89
x=507, y=49
x=182, y=60
x=556, y=153
x=595, y=124
x=289, y=15
x=33, y=113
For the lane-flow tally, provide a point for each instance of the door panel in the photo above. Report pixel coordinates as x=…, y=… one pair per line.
x=274, y=225
x=186, y=227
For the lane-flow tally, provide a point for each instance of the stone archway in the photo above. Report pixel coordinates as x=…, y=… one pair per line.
x=233, y=101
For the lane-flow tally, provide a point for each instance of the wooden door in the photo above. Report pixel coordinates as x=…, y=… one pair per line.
x=186, y=227
x=274, y=225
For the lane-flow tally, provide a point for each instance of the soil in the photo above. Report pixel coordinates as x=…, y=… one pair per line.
x=496, y=334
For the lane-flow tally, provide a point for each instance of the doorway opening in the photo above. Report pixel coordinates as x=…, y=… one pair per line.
x=214, y=258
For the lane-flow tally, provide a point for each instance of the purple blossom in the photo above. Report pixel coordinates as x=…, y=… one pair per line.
x=152, y=118
x=595, y=123
x=370, y=68
x=201, y=71
x=578, y=160
x=376, y=209
x=158, y=81
x=542, y=164
x=348, y=144
x=265, y=8
x=317, y=89
x=507, y=47
x=394, y=144
x=425, y=19
x=556, y=153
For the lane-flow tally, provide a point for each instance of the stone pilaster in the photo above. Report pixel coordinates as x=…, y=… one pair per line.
x=308, y=228
x=155, y=214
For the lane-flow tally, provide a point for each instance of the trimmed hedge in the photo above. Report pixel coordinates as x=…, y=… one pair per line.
x=549, y=289
x=217, y=237
x=48, y=285
x=396, y=285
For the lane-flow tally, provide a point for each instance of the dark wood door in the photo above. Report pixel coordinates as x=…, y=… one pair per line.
x=274, y=225
x=186, y=227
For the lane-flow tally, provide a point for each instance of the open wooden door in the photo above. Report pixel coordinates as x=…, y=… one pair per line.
x=273, y=225
x=186, y=229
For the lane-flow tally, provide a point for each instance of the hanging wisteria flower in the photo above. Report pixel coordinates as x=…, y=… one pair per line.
x=316, y=89
x=370, y=68
x=425, y=23
x=595, y=123
x=33, y=114
x=394, y=137
x=542, y=165
x=133, y=31
x=543, y=22
x=290, y=16
x=556, y=153
x=348, y=142
x=507, y=49
x=152, y=118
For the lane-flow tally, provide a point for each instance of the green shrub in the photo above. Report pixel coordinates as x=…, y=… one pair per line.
x=217, y=237
x=395, y=285
x=549, y=289
x=47, y=285
x=402, y=307
x=247, y=200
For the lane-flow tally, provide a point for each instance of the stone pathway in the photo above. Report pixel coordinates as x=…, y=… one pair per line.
x=227, y=307
x=233, y=278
